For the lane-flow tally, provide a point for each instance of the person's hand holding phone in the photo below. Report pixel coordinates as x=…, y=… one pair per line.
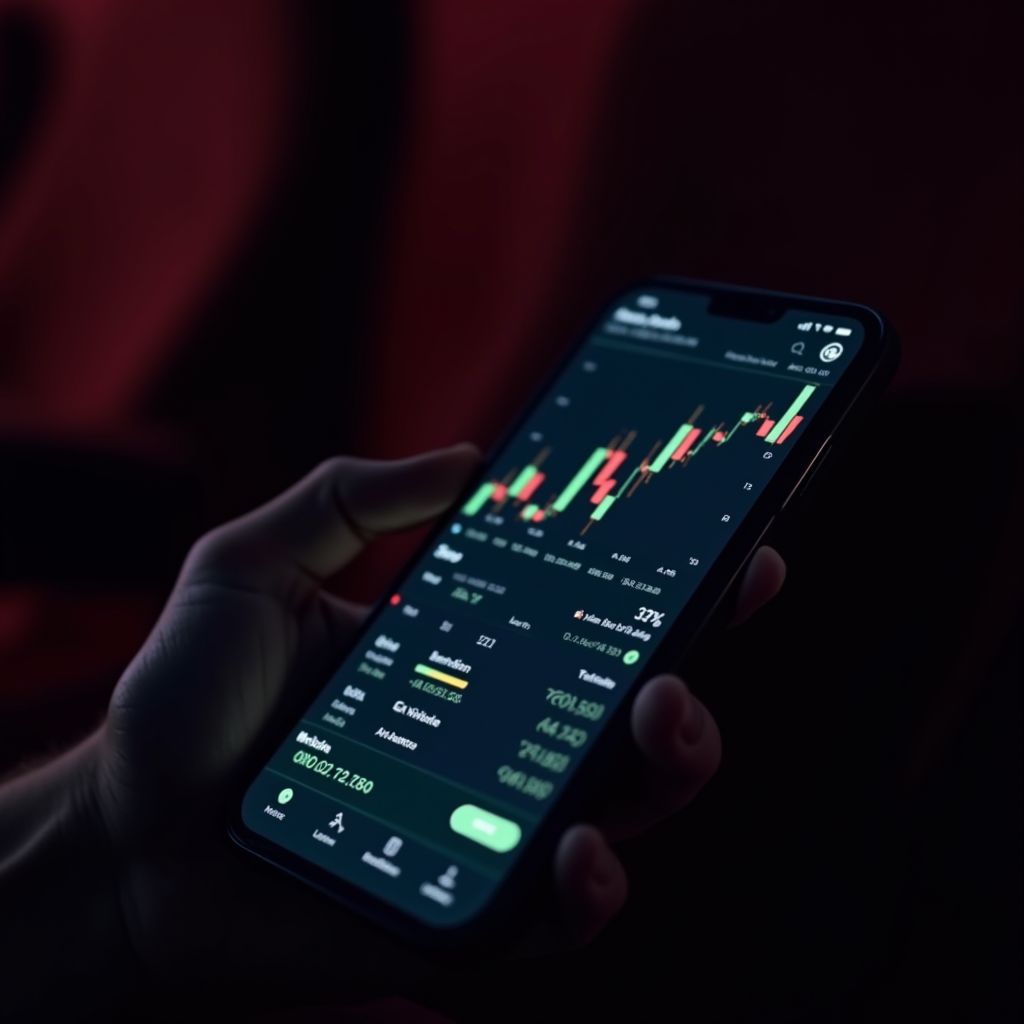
x=249, y=633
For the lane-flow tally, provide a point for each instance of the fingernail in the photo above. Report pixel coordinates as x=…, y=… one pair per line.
x=692, y=725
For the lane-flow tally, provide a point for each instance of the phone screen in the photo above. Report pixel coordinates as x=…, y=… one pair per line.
x=434, y=751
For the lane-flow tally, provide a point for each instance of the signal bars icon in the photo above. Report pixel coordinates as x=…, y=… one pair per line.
x=827, y=328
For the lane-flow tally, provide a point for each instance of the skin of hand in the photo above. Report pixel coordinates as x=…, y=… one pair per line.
x=248, y=635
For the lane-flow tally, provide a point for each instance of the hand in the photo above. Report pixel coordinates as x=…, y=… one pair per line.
x=245, y=634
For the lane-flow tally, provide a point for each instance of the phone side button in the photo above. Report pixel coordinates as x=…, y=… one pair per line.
x=809, y=478
x=810, y=472
x=487, y=829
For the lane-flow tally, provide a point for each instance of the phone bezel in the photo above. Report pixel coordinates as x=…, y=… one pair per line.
x=868, y=373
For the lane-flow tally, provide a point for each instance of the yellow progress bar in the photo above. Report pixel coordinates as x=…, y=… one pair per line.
x=442, y=677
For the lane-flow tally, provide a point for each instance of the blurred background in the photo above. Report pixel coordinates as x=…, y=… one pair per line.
x=238, y=237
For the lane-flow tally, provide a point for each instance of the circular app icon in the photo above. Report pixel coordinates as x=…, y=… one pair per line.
x=631, y=657
x=284, y=796
x=831, y=352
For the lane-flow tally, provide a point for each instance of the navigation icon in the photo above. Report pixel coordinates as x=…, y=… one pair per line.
x=441, y=892
x=337, y=823
x=797, y=348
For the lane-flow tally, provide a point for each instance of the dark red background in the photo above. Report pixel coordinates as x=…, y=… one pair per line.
x=240, y=236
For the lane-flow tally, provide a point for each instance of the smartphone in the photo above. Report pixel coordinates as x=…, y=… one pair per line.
x=484, y=698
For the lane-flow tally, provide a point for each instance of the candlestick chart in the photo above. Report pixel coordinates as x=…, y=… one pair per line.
x=615, y=471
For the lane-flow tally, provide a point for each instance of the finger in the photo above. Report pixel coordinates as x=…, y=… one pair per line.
x=327, y=638
x=590, y=882
x=340, y=620
x=679, y=748
x=763, y=579
x=322, y=522
x=347, y=615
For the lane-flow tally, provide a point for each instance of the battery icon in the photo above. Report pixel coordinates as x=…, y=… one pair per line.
x=843, y=332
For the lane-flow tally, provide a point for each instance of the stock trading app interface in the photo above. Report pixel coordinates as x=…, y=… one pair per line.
x=430, y=757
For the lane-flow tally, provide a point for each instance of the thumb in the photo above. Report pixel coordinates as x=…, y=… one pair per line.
x=312, y=530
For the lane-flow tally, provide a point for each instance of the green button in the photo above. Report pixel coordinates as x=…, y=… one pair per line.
x=631, y=657
x=485, y=828
x=284, y=796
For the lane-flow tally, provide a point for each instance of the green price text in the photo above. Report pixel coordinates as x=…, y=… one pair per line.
x=562, y=732
x=568, y=702
x=342, y=776
x=528, y=785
